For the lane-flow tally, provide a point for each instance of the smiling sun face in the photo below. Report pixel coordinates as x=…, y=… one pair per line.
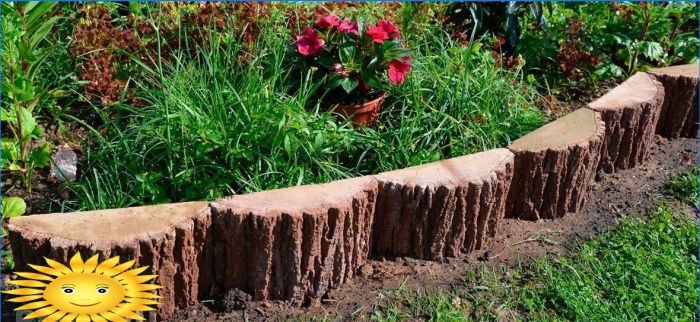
x=87, y=291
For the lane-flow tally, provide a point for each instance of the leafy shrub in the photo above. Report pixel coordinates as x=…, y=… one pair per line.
x=109, y=37
x=212, y=126
x=351, y=59
x=24, y=29
x=598, y=41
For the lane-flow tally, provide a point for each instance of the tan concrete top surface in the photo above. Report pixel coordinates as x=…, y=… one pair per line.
x=637, y=89
x=111, y=224
x=299, y=199
x=690, y=70
x=467, y=168
x=577, y=126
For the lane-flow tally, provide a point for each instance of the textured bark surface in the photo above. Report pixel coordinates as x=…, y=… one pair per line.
x=679, y=115
x=172, y=239
x=630, y=112
x=293, y=243
x=555, y=166
x=443, y=208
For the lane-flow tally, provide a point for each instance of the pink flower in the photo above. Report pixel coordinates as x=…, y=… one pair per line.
x=398, y=70
x=337, y=67
x=328, y=22
x=309, y=43
x=348, y=27
x=377, y=34
x=389, y=28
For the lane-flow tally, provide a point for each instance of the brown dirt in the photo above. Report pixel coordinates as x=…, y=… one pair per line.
x=629, y=192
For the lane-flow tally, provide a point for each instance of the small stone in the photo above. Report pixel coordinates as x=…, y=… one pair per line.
x=234, y=299
x=365, y=271
x=65, y=165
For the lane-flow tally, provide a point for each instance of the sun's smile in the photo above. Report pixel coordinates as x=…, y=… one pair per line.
x=84, y=304
x=87, y=291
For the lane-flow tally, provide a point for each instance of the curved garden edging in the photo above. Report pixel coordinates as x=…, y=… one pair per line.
x=679, y=115
x=298, y=242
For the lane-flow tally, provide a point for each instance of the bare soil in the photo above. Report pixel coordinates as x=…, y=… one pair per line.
x=625, y=193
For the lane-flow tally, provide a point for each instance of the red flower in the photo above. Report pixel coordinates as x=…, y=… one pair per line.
x=328, y=22
x=377, y=34
x=389, y=28
x=499, y=42
x=309, y=43
x=398, y=70
x=348, y=27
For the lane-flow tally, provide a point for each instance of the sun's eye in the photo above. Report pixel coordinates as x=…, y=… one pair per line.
x=68, y=290
x=102, y=290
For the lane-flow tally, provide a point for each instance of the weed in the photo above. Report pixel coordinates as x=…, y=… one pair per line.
x=684, y=187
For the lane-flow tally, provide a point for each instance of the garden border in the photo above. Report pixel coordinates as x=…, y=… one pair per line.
x=296, y=243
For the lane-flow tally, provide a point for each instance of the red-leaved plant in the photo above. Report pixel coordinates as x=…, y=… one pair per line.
x=356, y=62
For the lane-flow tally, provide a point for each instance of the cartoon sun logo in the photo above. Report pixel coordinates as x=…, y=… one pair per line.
x=87, y=291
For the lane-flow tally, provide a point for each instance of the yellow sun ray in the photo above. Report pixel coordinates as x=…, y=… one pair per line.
x=24, y=291
x=139, y=307
x=83, y=318
x=141, y=301
x=69, y=317
x=127, y=313
x=28, y=283
x=47, y=270
x=34, y=276
x=58, y=266
x=143, y=278
x=133, y=272
x=32, y=306
x=96, y=318
x=90, y=264
x=118, y=269
x=54, y=317
x=113, y=317
x=25, y=298
x=142, y=295
x=110, y=263
x=41, y=312
x=143, y=287
x=76, y=263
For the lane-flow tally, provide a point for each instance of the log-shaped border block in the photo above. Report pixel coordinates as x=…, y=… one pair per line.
x=173, y=239
x=443, y=208
x=555, y=166
x=293, y=243
x=630, y=111
x=679, y=115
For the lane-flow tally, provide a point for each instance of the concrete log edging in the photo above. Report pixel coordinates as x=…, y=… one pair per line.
x=296, y=243
x=285, y=244
x=679, y=115
x=631, y=112
x=555, y=166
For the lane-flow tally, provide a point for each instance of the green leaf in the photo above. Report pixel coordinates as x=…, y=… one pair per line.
x=334, y=80
x=326, y=62
x=41, y=32
x=13, y=207
x=35, y=11
x=30, y=129
x=349, y=84
x=10, y=152
x=347, y=53
x=40, y=156
x=650, y=49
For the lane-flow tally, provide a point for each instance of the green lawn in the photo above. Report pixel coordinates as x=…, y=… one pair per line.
x=641, y=270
